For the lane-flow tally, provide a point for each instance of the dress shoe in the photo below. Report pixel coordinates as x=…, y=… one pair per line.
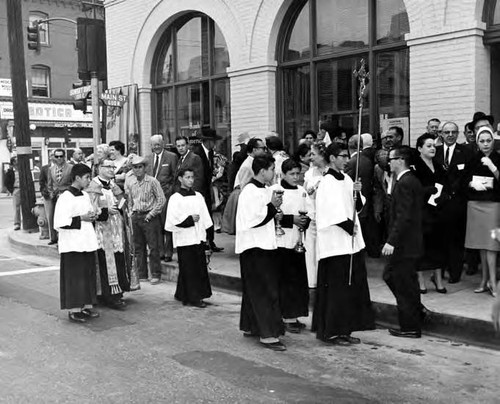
x=350, y=339
x=52, y=242
x=154, y=281
x=214, y=248
x=201, y=304
x=482, y=289
x=17, y=227
x=423, y=291
x=294, y=328
x=249, y=334
x=442, y=290
x=338, y=340
x=90, y=313
x=404, y=334
x=275, y=346
x=77, y=317
x=116, y=305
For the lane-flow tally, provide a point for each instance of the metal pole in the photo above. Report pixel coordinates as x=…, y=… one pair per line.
x=96, y=128
x=361, y=75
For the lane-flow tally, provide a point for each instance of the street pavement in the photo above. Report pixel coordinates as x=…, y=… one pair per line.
x=158, y=351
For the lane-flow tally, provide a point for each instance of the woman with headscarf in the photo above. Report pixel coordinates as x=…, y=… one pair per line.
x=483, y=207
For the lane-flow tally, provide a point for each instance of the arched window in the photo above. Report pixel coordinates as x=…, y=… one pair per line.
x=190, y=83
x=323, y=42
x=40, y=81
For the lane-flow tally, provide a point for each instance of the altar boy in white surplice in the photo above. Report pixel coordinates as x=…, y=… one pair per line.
x=188, y=219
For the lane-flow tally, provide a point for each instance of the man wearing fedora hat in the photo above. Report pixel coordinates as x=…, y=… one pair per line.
x=146, y=200
x=205, y=150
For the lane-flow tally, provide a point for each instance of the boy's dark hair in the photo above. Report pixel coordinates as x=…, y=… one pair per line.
x=274, y=143
x=310, y=132
x=334, y=149
x=404, y=152
x=118, y=145
x=79, y=170
x=302, y=150
x=262, y=162
x=181, y=138
x=290, y=164
x=183, y=171
x=253, y=143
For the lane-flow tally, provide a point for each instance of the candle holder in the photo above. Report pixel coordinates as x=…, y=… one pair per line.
x=299, y=247
x=277, y=227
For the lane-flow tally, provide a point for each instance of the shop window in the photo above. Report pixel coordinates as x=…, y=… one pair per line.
x=191, y=87
x=40, y=81
x=323, y=42
x=44, y=27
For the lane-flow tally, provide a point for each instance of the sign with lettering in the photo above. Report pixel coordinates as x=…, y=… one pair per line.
x=47, y=112
x=5, y=88
x=114, y=99
x=80, y=92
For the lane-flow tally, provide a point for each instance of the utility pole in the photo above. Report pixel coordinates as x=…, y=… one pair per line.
x=21, y=114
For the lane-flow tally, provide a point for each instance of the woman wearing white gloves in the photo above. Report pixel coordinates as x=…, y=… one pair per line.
x=483, y=208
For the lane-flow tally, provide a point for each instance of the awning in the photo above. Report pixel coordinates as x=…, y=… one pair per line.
x=59, y=124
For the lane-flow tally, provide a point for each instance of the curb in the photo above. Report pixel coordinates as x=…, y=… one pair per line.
x=460, y=329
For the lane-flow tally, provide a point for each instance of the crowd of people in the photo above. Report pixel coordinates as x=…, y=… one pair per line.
x=302, y=222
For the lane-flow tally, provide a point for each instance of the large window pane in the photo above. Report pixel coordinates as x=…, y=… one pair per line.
x=393, y=94
x=296, y=103
x=188, y=105
x=166, y=110
x=189, y=52
x=221, y=54
x=166, y=65
x=342, y=25
x=40, y=81
x=392, y=21
x=338, y=94
x=298, y=44
x=222, y=109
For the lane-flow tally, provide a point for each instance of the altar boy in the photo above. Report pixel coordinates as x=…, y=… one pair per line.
x=260, y=314
x=188, y=220
x=293, y=285
x=73, y=219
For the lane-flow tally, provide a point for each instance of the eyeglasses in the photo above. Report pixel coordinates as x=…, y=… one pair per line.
x=450, y=132
x=113, y=167
x=59, y=157
x=345, y=156
x=261, y=147
x=394, y=158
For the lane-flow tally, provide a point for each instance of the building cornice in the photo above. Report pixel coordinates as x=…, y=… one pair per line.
x=444, y=36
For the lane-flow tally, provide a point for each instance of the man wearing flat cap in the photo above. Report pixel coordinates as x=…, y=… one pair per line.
x=146, y=201
x=206, y=151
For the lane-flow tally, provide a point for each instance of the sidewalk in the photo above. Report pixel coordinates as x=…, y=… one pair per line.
x=460, y=314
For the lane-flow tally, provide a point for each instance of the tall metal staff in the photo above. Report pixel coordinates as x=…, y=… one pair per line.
x=361, y=75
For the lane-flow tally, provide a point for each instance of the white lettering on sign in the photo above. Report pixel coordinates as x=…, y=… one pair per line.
x=46, y=112
x=5, y=88
x=114, y=99
x=80, y=92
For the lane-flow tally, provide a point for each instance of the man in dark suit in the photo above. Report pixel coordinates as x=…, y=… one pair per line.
x=365, y=174
x=161, y=164
x=453, y=157
x=209, y=139
x=191, y=160
x=59, y=181
x=405, y=244
x=43, y=181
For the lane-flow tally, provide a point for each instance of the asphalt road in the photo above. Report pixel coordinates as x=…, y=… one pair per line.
x=158, y=351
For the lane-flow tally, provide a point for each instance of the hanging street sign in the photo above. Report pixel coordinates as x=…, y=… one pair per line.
x=80, y=92
x=113, y=99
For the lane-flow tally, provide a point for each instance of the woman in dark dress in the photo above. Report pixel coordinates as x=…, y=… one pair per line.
x=432, y=176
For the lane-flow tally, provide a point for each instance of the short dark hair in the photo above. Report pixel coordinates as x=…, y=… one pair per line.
x=310, y=132
x=469, y=126
x=324, y=126
x=302, y=150
x=253, y=143
x=399, y=131
x=60, y=151
x=118, y=145
x=422, y=138
x=183, y=171
x=79, y=170
x=262, y=162
x=290, y=164
x=404, y=152
x=274, y=143
x=181, y=138
x=334, y=149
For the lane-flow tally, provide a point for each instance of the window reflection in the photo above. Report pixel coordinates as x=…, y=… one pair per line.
x=298, y=45
x=342, y=25
x=165, y=107
x=393, y=92
x=189, y=55
x=188, y=106
x=392, y=21
x=221, y=54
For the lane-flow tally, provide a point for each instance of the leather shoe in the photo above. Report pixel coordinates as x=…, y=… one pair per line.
x=17, y=227
x=201, y=304
x=52, y=242
x=275, y=346
x=350, y=339
x=294, y=328
x=90, y=313
x=338, y=340
x=404, y=334
x=214, y=248
x=77, y=317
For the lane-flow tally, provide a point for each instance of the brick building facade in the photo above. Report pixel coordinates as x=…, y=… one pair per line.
x=433, y=52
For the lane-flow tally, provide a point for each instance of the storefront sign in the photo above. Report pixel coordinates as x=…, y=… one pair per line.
x=47, y=112
x=5, y=88
x=80, y=92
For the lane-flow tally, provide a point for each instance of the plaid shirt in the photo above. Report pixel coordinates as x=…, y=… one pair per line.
x=145, y=195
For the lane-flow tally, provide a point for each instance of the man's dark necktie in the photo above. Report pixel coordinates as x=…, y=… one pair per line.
x=155, y=168
x=211, y=159
x=447, y=157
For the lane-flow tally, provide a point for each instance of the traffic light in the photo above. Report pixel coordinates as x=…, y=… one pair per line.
x=34, y=37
